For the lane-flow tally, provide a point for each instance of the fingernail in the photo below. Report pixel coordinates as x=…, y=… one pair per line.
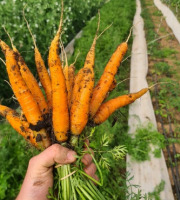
x=71, y=156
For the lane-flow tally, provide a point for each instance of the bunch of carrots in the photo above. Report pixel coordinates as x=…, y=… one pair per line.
x=71, y=101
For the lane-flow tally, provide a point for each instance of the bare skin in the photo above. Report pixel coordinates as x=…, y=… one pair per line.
x=39, y=175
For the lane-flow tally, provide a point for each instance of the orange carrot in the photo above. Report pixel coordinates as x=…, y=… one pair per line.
x=32, y=84
x=107, y=108
x=18, y=125
x=105, y=82
x=60, y=114
x=80, y=105
x=19, y=87
x=69, y=73
x=43, y=76
x=41, y=69
x=77, y=84
x=66, y=73
x=113, y=85
x=23, y=94
x=30, y=80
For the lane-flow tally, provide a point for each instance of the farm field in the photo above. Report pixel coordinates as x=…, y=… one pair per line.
x=163, y=58
x=111, y=137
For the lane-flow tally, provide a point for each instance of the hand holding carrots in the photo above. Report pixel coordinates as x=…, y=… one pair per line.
x=39, y=176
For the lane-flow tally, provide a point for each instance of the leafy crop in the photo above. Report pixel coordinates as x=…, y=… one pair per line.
x=173, y=2
x=163, y=68
x=147, y=140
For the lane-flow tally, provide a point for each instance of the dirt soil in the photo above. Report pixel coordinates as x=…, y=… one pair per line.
x=161, y=29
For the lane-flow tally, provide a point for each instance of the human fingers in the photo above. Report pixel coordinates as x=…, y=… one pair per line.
x=54, y=154
x=90, y=170
x=87, y=158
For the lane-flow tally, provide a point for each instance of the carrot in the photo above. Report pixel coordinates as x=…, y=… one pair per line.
x=41, y=69
x=30, y=80
x=107, y=108
x=60, y=114
x=69, y=73
x=78, y=79
x=23, y=94
x=13, y=118
x=106, y=80
x=66, y=73
x=113, y=85
x=77, y=84
x=32, y=84
x=80, y=106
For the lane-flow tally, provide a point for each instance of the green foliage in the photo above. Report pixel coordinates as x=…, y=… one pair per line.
x=163, y=68
x=172, y=90
x=172, y=2
x=14, y=154
x=164, y=53
x=43, y=18
x=157, y=13
x=141, y=145
x=156, y=193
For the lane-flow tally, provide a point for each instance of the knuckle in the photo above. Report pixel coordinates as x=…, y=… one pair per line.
x=86, y=170
x=56, y=148
x=32, y=161
x=93, y=167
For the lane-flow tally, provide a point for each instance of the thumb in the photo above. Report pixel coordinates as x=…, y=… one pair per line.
x=55, y=154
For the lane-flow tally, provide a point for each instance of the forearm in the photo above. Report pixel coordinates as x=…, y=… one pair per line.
x=32, y=191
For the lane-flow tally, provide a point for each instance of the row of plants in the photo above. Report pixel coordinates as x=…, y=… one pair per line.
x=164, y=67
x=174, y=5
x=43, y=18
x=172, y=2
x=169, y=94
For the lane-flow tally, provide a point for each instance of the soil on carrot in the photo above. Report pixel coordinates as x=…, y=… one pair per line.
x=164, y=65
